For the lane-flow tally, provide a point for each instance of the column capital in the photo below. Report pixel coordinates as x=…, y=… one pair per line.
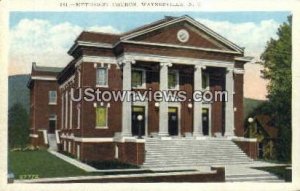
x=229, y=69
x=121, y=63
x=200, y=67
x=238, y=71
x=162, y=64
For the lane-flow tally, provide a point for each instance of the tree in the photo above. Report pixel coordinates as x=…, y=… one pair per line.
x=277, y=69
x=18, y=126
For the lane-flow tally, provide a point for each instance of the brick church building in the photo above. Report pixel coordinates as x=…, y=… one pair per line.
x=171, y=54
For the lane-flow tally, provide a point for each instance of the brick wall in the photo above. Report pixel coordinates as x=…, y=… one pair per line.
x=250, y=148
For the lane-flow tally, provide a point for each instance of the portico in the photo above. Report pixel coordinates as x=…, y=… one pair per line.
x=197, y=69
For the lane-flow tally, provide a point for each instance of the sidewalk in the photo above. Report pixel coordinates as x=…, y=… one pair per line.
x=74, y=162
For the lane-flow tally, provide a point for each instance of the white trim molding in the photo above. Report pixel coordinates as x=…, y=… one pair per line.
x=34, y=135
x=244, y=139
x=177, y=60
x=243, y=59
x=238, y=71
x=46, y=78
x=89, y=44
x=96, y=59
x=94, y=139
x=57, y=136
x=44, y=135
x=179, y=46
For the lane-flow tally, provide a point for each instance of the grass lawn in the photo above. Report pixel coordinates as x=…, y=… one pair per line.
x=40, y=164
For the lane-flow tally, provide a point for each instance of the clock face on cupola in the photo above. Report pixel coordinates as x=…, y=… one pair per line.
x=183, y=35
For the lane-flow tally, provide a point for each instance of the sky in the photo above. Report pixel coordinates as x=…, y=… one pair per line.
x=45, y=37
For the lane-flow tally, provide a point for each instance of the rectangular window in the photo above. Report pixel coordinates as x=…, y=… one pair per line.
x=101, y=117
x=101, y=77
x=138, y=79
x=205, y=81
x=52, y=97
x=173, y=80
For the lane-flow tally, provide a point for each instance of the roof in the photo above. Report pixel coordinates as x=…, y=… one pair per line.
x=42, y=72
x=46, y=68
x=146, y=26
x=113, y=39
x=90, y=36
x=266, y=123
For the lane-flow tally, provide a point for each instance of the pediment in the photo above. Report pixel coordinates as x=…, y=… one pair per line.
x=183, y=33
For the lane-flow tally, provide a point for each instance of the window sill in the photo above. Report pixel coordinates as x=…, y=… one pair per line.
x=139, y=87
x=101, y=127
x=101, y=86
x=52, y=103
x=173, y=89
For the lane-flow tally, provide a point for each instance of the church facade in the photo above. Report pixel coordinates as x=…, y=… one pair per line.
x=174, y=54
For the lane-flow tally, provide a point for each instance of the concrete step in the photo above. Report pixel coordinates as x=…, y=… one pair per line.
x=52, y=142
x=185, y=152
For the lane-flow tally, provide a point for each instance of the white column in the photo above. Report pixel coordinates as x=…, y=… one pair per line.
x=163, y=106
x=126, y=104
x=229, y=112
x=197, y=117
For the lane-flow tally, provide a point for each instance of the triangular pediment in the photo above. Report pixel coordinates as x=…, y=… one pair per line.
x=182, y=31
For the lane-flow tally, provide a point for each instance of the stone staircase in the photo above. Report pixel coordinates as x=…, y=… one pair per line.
x=52, y=142
x=190, y=152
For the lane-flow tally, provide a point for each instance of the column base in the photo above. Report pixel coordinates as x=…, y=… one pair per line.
x=163, y=134
x=229, y=135
x=198, y=135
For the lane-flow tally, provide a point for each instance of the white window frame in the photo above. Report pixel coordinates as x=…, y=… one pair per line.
x=49, y=97
x=99, y=85
x=143, y=86
x=106, y=120
x=176, y=72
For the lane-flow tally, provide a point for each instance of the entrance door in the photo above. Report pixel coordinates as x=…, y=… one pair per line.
x=52, y=124
x=138, y=127
x=205, y=121
x=173, y=121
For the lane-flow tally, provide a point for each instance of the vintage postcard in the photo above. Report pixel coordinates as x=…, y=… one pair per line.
x=114, y=92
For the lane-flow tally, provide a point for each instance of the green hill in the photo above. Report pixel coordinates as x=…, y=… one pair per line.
x=18, y=91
